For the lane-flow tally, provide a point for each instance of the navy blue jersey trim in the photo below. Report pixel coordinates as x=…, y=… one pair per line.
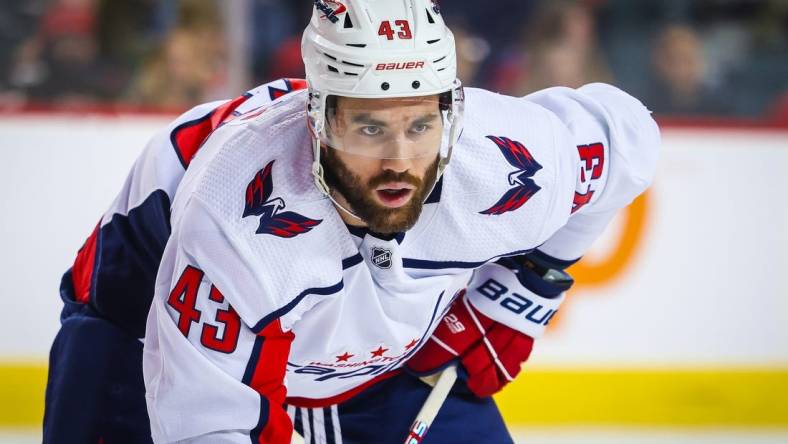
x=328, y=420
x=325, y=291
x=550, y=261
x=275, y=93
x=250, y=366
x=439, y=265
x=435, y=195
x=311, y=418
x=116, y=219
x=352, y=261
x=357, y=231
x=361, y=232
x=399, y=237
x=265, y=410
x=297, y=421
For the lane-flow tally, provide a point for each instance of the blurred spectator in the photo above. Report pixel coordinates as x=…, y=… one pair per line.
x=286, y=62
x=18, y=21
x=61, y=63
x=174, y=53
x=499, y=22
x=559, y=49
x=761, y=77
x=626, y=31
x=472, y=51
x=129, y=30
x=276, y=39
x=188, y=69
x=189, y=65
x=679, y=85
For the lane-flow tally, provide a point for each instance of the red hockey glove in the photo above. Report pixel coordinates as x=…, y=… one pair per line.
x=490, y=352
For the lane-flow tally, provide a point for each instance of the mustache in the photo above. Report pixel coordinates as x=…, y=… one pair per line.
x=391, y=176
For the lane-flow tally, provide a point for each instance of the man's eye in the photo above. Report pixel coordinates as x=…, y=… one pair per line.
x=371, y=130
x=421, y=128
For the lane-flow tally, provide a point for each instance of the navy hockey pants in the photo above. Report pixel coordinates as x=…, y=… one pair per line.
x=95, y=391
x=95, y=394
x=384, y=413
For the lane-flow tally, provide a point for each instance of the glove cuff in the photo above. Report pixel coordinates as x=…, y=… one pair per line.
x=496, y=292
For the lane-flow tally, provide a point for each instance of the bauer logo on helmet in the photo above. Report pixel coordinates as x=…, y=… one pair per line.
x=399, y=66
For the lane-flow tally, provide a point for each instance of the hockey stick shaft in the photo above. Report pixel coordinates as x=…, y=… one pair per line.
x=431, y=406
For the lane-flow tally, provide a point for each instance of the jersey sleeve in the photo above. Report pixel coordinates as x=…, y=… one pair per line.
x=618, y=143
x=209, y=378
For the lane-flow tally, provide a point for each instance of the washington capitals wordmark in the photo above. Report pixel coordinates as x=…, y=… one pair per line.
x=524, y=187
x=259, y=203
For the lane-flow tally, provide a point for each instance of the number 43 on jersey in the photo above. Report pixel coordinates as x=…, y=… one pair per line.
x=183, y=299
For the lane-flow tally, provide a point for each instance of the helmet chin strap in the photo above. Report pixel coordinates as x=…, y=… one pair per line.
x=320, y=180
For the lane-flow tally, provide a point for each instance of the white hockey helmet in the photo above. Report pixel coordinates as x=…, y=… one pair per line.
x=373, y=49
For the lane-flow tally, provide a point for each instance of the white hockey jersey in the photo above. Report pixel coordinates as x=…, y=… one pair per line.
x=263, y=286
x=116, y=269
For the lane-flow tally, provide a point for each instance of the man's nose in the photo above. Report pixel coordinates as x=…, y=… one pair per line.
x=398, y=154
x=397, y=165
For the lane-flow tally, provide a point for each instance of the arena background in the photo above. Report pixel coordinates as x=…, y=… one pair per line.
x=678, y=328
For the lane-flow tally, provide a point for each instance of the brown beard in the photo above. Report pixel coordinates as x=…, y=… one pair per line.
x=379, y=219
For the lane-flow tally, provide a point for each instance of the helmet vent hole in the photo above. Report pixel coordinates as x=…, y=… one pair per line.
x=332, y=69
x=429, y=17
x=348, y=22
x=430, y=42
x=352, y=64
x=416, y=84
x=385, y=86
x=439, y=60
x=357, y=45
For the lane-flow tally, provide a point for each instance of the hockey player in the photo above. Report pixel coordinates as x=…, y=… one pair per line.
x=318, y=244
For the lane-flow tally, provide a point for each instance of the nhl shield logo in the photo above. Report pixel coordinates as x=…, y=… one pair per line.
x=381, y=257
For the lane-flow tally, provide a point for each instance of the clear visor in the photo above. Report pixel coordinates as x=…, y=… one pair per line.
x=391, y=128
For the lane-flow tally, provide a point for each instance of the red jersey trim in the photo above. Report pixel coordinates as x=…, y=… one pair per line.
x=269, y=357
x=188, y=137
x=84, y=266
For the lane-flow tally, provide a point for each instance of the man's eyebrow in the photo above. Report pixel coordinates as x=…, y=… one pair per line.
x=366, y=119
x=426, y=118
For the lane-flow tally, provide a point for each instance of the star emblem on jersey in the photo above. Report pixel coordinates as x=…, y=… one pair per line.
x=379, y=352
x=273, y=220
x=344, y=357
x=524, y=187
x=381, y=257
